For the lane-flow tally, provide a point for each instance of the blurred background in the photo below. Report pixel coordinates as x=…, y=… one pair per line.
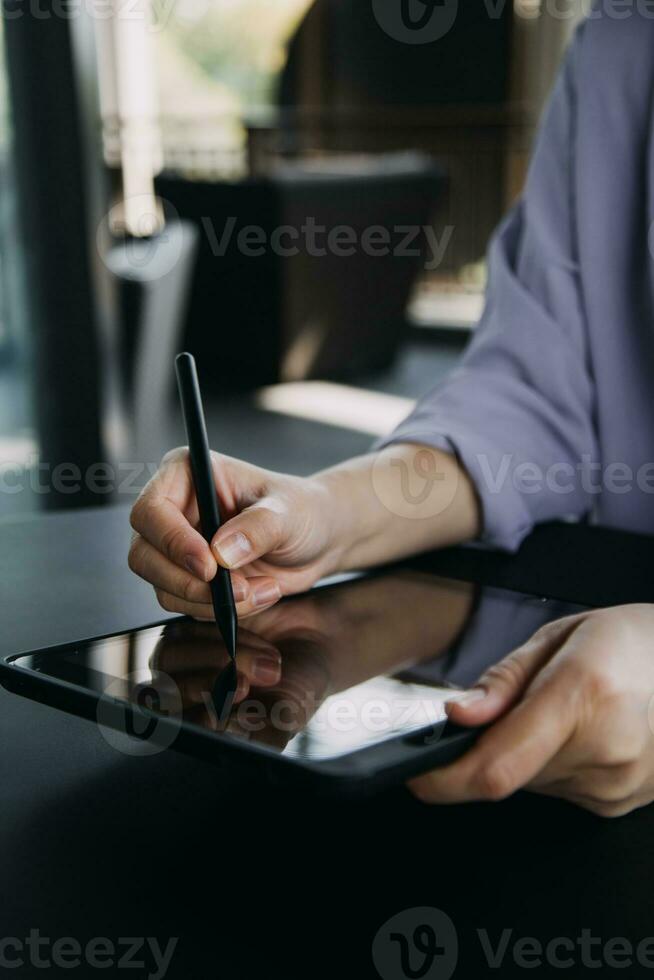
x=300, y=192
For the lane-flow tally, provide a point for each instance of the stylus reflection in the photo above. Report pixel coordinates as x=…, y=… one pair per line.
x=207, y=682
x=224, y=692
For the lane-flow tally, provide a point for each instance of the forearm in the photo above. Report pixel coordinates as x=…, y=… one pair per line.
x=403, y=500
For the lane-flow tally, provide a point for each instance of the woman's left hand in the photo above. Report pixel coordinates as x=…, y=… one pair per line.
x=572, y=715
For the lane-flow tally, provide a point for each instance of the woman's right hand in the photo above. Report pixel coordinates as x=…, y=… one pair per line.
x=277, y=537
x=282, y=533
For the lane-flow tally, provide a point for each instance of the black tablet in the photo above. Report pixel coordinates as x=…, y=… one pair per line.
x=344, y=687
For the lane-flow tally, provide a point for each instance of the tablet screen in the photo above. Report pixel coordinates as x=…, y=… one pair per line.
x=319, y=675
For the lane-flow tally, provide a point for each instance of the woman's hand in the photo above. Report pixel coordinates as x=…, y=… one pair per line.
x=277, y=537
x=571, y=715
x=282, y=533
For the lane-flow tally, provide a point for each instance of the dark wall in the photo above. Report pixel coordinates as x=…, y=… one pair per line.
x=363, y=64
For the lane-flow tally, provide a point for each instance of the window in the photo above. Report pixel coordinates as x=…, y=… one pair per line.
x=218, y=63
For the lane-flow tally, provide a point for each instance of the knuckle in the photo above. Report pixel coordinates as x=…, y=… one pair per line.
x=263, y=528
x=619, y=754
x=609, y=809
x=138, y=515
x=494, y=781
x=623, y=789
x=553, y=631
x=269, y=518
x=545, y=631
x=612, y=792
x=608, y=757
x=510, y=672
x=164, y=600
x=177, y=455
x=134, y=555
x=623, y=785
x=172, y=540
x=603, y=685
x=423, y=790
x=190, y=589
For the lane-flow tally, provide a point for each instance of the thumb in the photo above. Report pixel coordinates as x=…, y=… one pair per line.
x=505, y=682
x=252, y=534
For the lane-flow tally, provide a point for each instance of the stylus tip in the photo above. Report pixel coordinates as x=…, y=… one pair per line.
x=227, y=625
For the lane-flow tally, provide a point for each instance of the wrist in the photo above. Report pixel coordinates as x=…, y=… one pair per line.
x=351, y=512
x=388, y=505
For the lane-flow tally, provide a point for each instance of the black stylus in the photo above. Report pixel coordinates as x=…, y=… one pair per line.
x=222, y=596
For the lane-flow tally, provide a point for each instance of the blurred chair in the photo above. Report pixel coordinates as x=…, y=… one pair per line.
x=255, y=319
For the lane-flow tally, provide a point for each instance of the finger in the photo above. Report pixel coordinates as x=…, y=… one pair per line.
x=511, y=753
x=202, y=611
x=161, y=522
x=150, y=564
x=255, y=532
x=504, y=683
x=264, y=592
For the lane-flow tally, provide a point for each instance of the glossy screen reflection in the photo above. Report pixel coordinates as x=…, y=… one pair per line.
x=353, y=664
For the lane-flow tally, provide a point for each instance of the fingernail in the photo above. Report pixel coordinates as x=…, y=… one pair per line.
x=266, y=669
x=265, y=594
x=470, y=697
x=242, y=687
x=196, y=567
x=234, y=550
x=240, y=590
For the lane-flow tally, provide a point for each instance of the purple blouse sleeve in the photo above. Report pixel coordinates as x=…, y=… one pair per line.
x=519, y=411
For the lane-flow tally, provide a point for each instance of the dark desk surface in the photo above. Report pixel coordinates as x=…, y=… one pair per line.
x=261, y=882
